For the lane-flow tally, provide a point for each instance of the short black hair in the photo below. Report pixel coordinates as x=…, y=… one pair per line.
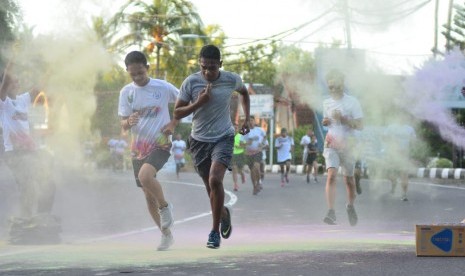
x=211, y=52
x=135, y=57
x=336, y=75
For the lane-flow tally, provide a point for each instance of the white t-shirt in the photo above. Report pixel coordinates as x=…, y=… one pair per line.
x=284, y=146
x=178, y=148
x=338, y=134
x=304, y=142
x=120, y=146
x=151, y=101
x=265, y=144
x=253, y=140
x=16, y=130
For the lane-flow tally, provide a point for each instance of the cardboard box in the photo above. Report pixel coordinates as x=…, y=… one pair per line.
x=440, y=240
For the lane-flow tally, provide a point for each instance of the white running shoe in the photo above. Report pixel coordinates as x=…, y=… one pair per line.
x=166, y=216
x=166, y=242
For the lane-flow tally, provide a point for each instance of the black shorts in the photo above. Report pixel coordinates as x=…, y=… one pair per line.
x=252, y=159
x=204, y=153
x=310, y=159
x=284, y=162
x=157, y=158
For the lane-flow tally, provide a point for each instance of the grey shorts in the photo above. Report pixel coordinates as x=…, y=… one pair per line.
x=339, y=158
x=205, y=153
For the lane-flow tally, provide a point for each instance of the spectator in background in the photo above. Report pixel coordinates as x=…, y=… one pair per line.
x=238, y=158
x=285, y=146
x=32, y=166
x=253, y=151
x=312, y=149
x=178, y=149
x=117, y=150
x=304, y=142
x=398, y=138
x=265, y=148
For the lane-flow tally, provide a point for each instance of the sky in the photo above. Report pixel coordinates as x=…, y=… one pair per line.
x=395, y=48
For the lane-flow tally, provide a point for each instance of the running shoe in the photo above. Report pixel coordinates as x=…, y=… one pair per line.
x=226, y=226
x=330, y=217
x=166, y=242
x=404, y=198
x=352, y=215
x=214, y=240
x=166, y=216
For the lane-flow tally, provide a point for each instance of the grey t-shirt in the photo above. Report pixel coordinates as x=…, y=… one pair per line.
x=212, y=121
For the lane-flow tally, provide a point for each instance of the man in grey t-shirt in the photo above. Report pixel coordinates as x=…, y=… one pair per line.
x=207, y=94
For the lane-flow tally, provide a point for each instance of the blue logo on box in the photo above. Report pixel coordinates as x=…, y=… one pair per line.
x=443, y=240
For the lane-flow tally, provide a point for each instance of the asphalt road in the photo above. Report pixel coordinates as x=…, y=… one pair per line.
x=107, y=229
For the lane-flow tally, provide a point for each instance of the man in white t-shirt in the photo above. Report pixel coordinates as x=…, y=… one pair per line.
x=342, y=114
x=30, y=165
x=178, y=148
x=144, y=109
x=253, y=152
x=285, y=146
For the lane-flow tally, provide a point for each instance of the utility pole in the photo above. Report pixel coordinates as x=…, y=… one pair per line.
x=346, y=12
x=436, y=22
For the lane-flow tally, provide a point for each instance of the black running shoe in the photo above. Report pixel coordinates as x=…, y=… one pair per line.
x=214, y=240
x=226, y=227
x=330, y=217
x=353, y=219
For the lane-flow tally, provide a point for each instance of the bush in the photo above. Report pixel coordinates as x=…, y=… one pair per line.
x=440, y=163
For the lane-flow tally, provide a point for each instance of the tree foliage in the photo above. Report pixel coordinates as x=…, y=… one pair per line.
x=256, y=63
x=156, y=28
x=10, y=18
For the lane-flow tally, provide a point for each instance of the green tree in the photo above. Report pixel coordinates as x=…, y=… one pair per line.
x=10, y=18
x=156, y=27
x=255, y=63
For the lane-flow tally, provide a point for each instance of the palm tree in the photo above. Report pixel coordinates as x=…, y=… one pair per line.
x=156, y=27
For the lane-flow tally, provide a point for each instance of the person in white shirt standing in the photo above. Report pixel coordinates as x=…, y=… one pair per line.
x=342, y=114
x=398, y=139
x=178, y=148
x=144, y=109
x=285, y=146
x=30, y=165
